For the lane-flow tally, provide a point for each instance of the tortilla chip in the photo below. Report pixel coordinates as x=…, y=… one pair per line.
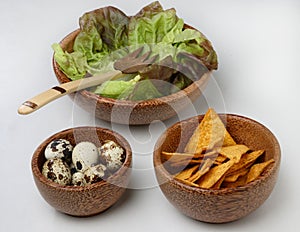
x=220, y=159
x=215, y=174
x=177, y=155
x=234, y=152
x=257, y=169
x=204, y=168
x=219, y=183
x=212, y=159
x=216, y=163
x=189, y=183
x=176, y=159
x=210, y=132
x=210, y=153
x=184, y=163
x=240, y=182
x=214, y=155
x=246, y=160
x=187, y=173
x=234, y=176
x=174, y=156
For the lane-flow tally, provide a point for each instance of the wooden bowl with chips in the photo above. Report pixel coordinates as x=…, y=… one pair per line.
x=213, y=180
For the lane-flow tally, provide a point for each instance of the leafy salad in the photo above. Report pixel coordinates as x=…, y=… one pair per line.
x=107, y=34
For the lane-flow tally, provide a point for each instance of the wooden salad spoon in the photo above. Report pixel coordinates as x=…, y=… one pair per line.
x=131, y=63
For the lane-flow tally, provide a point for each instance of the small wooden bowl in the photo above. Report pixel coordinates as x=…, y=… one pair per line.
x=88, y=200
x=224, y=205
x=130, y=112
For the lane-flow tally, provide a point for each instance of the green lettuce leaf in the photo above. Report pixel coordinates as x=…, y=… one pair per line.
x=165, y=34
x=181, y=81
x=72, y=64
x=107, y=34
x=150, y=9
x=143, y=90
x=113, y=89
x=111, y=25
x=101, y=32
x=90, y=45
x=169, y=37
x=150, y=26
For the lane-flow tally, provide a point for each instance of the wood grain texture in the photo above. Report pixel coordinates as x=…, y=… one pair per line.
x=88, y=200
x=224, y=205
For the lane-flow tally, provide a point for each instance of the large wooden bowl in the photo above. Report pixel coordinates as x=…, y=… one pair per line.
x=83, y=200
x=223, y=205
x=130, y=112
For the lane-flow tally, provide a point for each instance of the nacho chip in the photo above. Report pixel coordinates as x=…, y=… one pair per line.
x=217, y=163
x=215, y=174
x=234, y=152
x=219, y=183
x=257, y=169
x=189, y=183
x=210, y=132
x=246, y=160
x=234, y=176
x=220, y=159
x=213, y=155
x=184, y=163
x=210, y=153
x=204, y=168
x=177, y=155
x=212, y=159
x=174, y=156
x=240, y=182
x=177, y=159
x=187, y=173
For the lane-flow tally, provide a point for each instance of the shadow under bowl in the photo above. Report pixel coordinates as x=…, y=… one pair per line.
x=223, y=205
x=83, y=200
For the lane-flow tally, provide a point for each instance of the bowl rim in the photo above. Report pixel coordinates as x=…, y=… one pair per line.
x=110, y=180
x=196, y=85
x=159, y=167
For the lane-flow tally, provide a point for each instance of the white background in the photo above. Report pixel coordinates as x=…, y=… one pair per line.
x=258, y=48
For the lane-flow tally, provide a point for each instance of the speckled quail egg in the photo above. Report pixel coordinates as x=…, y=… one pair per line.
x=72, y=168
x=112, y=155
x=94, y=174
x=78, y=179
x=57, y=170
x=59, y=148
x=85, y=155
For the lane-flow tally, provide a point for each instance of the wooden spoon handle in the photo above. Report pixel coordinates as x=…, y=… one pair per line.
x=50, y=95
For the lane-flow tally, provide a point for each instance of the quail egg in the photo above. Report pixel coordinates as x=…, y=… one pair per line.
x=112, y=155
x=78, y=179
x=94, y=174
x=57, y=170
x=72, y=168
x=85, y=155
x=59, y=148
